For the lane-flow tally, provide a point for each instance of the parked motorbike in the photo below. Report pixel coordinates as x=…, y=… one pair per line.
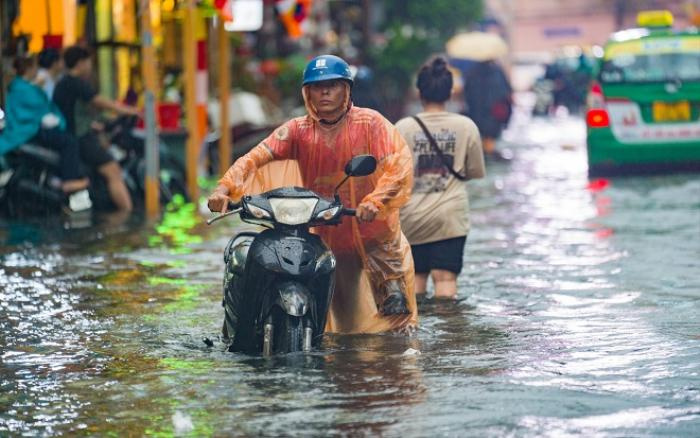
x=278, y=284
x=30, y=184
x=128, y=148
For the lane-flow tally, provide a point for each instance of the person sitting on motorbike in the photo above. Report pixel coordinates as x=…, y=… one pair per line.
x=31, y=117
x=76, y=98
x=332, y=132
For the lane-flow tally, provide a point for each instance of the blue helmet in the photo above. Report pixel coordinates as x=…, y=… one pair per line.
x=325, y=68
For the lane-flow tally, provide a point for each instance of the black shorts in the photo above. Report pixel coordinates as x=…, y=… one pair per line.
x=92, y=153
x=443, y=254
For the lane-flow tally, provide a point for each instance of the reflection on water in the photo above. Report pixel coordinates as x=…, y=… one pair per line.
x=578, y=315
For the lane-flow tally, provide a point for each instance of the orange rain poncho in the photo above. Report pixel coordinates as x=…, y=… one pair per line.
x=305, y=151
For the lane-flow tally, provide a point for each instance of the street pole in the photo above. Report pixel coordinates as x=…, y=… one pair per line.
x=2, y=49
x=189, y=61
x=224, y=92
x=148, y=70
x=366, y=31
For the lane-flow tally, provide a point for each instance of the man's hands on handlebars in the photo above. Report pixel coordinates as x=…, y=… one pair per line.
x=218, y=200
x=366, y=212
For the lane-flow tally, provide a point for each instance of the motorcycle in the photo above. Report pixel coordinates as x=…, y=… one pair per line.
x=278, y=284
x=127, y=145
x=30, y=181
x=30, y=184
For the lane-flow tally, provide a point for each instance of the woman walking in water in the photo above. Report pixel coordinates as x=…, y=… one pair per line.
x=446, y=151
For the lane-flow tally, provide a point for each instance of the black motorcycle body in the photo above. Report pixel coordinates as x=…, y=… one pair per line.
x=30, y=184
x=278, y=283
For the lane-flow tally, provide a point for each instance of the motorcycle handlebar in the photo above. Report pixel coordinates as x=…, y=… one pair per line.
x=232, y=208
x=235, y=207
x=124, y=121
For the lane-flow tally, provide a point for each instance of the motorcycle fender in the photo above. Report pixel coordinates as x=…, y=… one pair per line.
x=293, y=298
x=236, y=252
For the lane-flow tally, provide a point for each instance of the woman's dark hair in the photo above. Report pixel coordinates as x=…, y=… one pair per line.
x=23, y=63
x=48, y=57
x=435, y=81
x=74, y=55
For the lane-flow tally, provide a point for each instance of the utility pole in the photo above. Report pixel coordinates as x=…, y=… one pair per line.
x=148, y=70
x=2, y=49
x=224, y=92
x=189, y=61
x=366, y=30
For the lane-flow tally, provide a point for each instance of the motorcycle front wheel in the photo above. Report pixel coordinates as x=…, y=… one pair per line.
x=287, y=332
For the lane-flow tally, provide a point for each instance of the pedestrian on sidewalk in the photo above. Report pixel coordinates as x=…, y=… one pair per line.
x=446, y=151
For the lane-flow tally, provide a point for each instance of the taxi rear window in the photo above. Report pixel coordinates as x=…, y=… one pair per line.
x=652, y=60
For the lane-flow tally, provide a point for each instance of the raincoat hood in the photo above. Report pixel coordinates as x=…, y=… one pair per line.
x=313, y=113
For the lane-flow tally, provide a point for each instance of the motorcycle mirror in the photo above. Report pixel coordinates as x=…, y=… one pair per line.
x=361, y=165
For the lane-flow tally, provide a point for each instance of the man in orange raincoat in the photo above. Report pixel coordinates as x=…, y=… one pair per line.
x=374, y=278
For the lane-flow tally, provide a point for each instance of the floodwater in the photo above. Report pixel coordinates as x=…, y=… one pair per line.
x=579, y=315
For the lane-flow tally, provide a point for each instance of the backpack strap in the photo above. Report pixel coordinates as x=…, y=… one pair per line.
x=437, y=150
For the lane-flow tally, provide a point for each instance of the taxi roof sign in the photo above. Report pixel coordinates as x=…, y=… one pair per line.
x=660, y=18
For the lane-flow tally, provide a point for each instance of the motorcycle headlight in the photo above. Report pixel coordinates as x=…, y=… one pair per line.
x=257, y=212
x=293, y=211
x=328, y=214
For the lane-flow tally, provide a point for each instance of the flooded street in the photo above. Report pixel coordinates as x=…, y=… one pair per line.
x=579, y=314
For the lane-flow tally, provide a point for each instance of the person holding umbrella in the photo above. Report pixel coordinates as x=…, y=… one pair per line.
x=487, y=92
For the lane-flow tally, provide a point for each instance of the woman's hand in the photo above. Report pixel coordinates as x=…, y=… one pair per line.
x=366, y=212
x=218, y=200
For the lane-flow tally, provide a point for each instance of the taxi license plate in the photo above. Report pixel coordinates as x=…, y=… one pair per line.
x=671, y=111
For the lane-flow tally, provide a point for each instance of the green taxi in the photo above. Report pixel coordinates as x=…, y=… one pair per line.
x=644, y=108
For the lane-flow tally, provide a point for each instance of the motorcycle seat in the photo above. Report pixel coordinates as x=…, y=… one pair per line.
x=40, y=153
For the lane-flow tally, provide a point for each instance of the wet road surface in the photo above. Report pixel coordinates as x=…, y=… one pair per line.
x=579, y=315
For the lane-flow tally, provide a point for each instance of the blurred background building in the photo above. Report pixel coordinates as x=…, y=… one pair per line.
x=538, y=31
x=385, y=40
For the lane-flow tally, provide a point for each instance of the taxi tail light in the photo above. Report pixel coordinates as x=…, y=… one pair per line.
x=597, y=118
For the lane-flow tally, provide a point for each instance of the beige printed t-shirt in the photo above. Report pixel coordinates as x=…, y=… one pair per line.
x=439, y=206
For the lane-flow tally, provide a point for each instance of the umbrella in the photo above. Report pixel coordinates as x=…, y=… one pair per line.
x=477, y=46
